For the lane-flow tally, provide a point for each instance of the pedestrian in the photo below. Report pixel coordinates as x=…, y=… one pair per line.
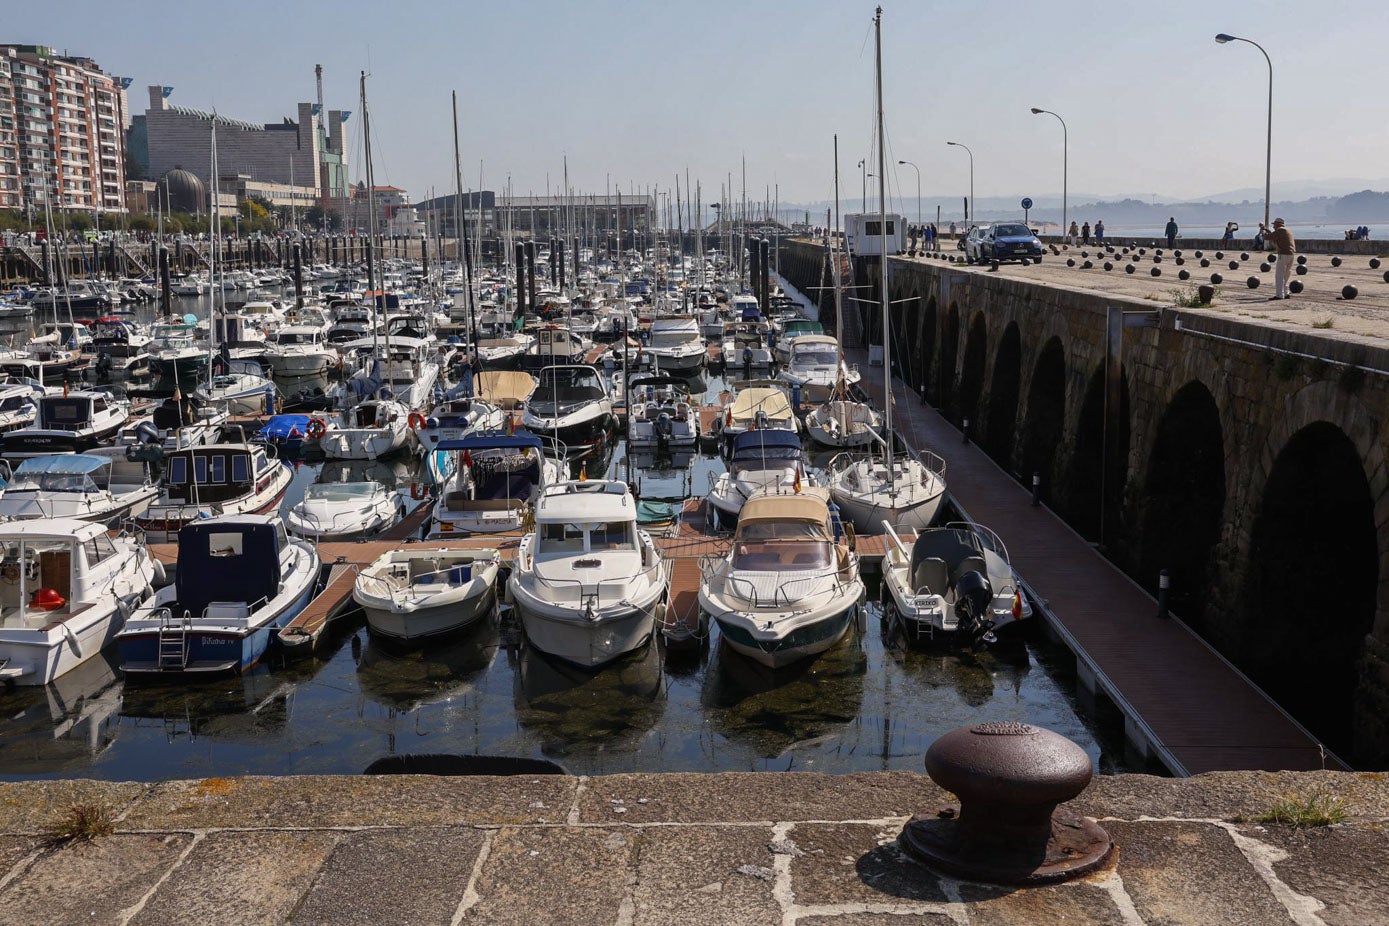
x=1171, y=231
x=952, y=229
x=1073, y=234
x=1085, y=232
x=1099, y=230
x=935, y=236
x=1230, y=229
x=1281, y=237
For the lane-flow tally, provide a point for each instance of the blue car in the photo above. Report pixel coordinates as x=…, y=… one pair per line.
x=1002, y=241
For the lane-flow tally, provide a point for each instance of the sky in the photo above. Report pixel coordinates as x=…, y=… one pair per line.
x=636, y=93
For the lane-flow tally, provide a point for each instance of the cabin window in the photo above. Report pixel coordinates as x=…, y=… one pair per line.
x=178, y=471
x=200, y=470
x=241, y=468
x=561, y=538
x=98, y=549
x=98, y=405
x=219, y=468
x=224, y=543
x=614, y=535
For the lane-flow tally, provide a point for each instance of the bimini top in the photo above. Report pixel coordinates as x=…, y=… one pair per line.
x=585, y=501
x=64, y=464
x=809, y=341
x=756, y=399
x=807, y=505
x=488, y=440
x=506, y=388
x=762, y=443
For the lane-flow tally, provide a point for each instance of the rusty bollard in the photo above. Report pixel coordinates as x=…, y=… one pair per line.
x=1009, y=778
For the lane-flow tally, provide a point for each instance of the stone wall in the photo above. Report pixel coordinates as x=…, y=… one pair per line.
x=1248, y=458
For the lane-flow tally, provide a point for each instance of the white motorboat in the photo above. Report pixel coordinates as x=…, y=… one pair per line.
x=174, y=352
x=65, y=589
x=19, y=402
x=676, y=345
x=240, y=579
x=300, y=350
x=662, y=416
x=842, y=422
x=760, y=404
x=67, y=422
x=571, y=406
x=744, y=349
x=367, y=431
x=211, y=480
x=587, y=583
x=495, y=479
x=344, y=510
x=815, y=366
x=554, y=345
x=241, y=390
x=455, y=417
x=100, y=486
x=414, y=593
x=503, y=353
x=789, y=586
x=953, y=580
x=762, y=460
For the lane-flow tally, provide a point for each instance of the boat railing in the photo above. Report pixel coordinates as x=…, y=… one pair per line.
x=933, y=462
x=785, y=594
x=592, y=593
x=333, y=525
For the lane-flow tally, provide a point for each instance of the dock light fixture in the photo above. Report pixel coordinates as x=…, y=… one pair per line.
x=1222, y=39
x=1065, y=166
x=969, y=211
x=918, y=189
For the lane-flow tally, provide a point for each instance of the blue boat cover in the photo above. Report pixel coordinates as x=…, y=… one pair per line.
x=280, y=426
x=775, y=443
x=488, y=440
x=227, y=559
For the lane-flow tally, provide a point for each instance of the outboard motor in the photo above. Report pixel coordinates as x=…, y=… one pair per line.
x=747, y=363
x=972, y=597
x=103, y=364
x=663, y=429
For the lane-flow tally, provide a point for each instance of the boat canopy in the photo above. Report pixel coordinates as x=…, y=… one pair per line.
x=767, y=443
x=281, y=427
x=488, y=441
x=800, y=506
x=505, y=388
x=64, y=464
x=227, y=559
x=767, y=399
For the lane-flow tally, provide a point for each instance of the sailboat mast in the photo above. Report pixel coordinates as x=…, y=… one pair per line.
x=834, y=256
x=882, y=255
x=371, y=219
x=461, y=230
x=214, y=221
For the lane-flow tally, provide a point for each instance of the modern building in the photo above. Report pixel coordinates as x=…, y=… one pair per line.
x=288, y=153
x=356, y=213
x=543, y=216
x=62, y=131
x=440, y=214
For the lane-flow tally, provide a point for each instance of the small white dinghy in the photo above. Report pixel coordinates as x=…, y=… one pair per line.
x=414, y=593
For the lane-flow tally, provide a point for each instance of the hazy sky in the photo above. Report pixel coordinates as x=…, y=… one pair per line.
x=640, y=91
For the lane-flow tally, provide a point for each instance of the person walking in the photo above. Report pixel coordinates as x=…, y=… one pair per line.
x=1171, y=231
x=952, y=229
x=1085, y=232
x=1281, y=238
x=1073, y=233
x=1230, y=229
x=1099, y=230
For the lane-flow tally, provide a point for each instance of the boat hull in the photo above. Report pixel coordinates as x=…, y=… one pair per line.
x=565, y=633
x=805, y=641
x=414, y=624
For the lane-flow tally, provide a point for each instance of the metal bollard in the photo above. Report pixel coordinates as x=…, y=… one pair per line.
x=964, y=432
x=1164, y=593
x=1036, y=489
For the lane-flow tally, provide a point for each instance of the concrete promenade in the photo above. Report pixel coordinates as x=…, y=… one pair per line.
x=783, y=848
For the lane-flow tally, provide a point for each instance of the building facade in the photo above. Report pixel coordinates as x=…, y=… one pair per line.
x=439, y=214
x=543, y=216
x=62, y=132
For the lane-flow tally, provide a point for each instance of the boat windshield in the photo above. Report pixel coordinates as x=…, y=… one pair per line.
x=782, y=546
x=586, y=537
x=674, y=338
x=14, y=403
x=569, y=384
x=51, y=482
x=815, y=357
x=340, y=491
x=295, y=337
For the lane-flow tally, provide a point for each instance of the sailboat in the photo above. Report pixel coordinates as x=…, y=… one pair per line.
x=239, y=386
x=902, y=492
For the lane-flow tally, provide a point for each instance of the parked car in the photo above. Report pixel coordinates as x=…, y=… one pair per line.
x=1001, y=241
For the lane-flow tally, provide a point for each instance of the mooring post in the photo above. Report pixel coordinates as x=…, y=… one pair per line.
x=1036, y=489
x=1164, y=593
x=964, y=432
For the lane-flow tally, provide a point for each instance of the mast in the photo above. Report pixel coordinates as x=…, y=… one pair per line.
x=214, y=221
x=461, y=231
x=834, y=256
x=371, y=218
x=882, y=237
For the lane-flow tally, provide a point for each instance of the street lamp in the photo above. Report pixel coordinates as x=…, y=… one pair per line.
x=971, y=177
x=1065, y=166
x=918, y=188
x=863, y=201
x=1222, y=38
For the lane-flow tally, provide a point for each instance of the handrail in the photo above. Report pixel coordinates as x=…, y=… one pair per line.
x=781, y=597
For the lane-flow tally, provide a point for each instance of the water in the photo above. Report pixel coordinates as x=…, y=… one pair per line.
x=868, y=704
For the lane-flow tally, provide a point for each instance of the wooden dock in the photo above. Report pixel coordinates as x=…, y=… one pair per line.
x=328, y=604
x=1183, y=703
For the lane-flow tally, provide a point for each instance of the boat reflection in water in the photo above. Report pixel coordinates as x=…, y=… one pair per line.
x=62, y=727
x=774, y=712
x=574, y=711
x=405, y=679
x=244, y=708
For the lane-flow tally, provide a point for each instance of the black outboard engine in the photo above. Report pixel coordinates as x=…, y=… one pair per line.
x=747, y=363
x=972, y=597
x=663, y=428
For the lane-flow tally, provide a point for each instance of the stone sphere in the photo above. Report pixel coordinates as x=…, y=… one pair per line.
x=1207, y=293
x=1252, y=282
x=1349, y=292
x=1108, y=265
x=1130, y=268
x=1244, y=256
x=1199, y=254
x=1070, y=262
x=1335, y=262
x=1302, y=258
x=1374, y=263
x=1156, y=271
x=1263, y=268
x=1180, y=261
x=1157, y=259
x=1295, y=286
x=1219, y=255
x=1183, y=274
x=1300, y=269
x=1205, y=262
x=1234, y=265
x=1217, y=279
x=1087, y=265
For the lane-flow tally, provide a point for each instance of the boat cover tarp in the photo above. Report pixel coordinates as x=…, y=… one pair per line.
x=761, y=399
x=766, y=444
x=210, y=569
x=506, y=388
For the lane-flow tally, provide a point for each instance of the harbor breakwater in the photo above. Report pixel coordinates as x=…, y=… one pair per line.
x=1245, y=458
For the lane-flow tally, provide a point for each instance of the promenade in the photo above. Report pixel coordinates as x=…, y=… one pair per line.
x=644, y=850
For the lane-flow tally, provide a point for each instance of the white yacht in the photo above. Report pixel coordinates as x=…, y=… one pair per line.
x=789, y=587
x=843, y=422
x=662, y=415
x=904, y=491
x=65, y=589
x=760, y=404
x=367, y=431
x=417, y=592
x=101, y=486
x=19, y=402
x=571, y=405
x=67, y=422
x=344, y=511
x=816, y=366
x=241, y=389
x=587, y=583
x=761, y=460
x=745, y=350
x=300, y=350
x=494, y=480
x=953, y=580
x=214, y=479
x=676, y=344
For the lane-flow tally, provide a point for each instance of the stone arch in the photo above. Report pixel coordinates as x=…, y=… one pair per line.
x=972, y=368
x=1044, y=424
x=1183, y=500
x=1311, y=582
x=949, y=354
x=1004, y=393
x=927, y=354
x=1091, y=485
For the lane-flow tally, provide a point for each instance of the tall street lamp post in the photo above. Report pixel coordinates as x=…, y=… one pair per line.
x=1065, y=166
x=918, y=188
x=1222, y=38
x=970, y=210
x=863, y=169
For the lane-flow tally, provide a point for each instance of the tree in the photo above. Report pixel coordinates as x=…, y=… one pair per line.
x=143, y=223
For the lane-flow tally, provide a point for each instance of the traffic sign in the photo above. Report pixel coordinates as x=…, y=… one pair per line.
x=1027, y=202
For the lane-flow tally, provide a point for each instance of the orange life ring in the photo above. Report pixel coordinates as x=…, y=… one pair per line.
x=317, y=428
x=418, y=491
x=416, y=421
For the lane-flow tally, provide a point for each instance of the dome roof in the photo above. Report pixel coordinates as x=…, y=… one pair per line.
x=186, y=193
